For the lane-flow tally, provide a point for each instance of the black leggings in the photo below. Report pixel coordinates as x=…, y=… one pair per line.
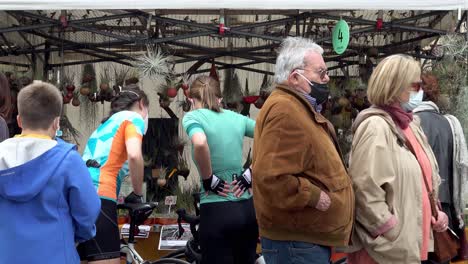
x=228, y=232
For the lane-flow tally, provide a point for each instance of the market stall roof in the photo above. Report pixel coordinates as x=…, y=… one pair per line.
x=192, y=37
x=238, y=4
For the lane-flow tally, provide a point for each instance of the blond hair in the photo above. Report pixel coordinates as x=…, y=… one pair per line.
x=39, y=104
x=391, y=77
x=206, y=90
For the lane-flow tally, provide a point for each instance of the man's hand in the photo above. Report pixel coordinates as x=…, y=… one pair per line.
x=441, y=224
x=216, y=185
x=242, y=183
x=324, y=202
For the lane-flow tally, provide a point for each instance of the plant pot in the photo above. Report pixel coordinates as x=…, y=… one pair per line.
x=133, y=80
x=162, y=182
x=66, y=99
x=171, y=92
x=187, y=93
x=84, y=91
x=70, y=88
x=76, y=101
x=104, y=87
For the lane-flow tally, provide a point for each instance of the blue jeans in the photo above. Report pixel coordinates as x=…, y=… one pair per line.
x=294, y=252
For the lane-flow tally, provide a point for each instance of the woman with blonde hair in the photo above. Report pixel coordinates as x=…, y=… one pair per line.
x=228, y=228
x=390, y=163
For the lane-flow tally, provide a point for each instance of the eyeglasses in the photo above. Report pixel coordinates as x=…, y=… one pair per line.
x=322, y=73
x=417, y=86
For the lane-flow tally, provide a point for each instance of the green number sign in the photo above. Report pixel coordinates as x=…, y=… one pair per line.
x=340, y=37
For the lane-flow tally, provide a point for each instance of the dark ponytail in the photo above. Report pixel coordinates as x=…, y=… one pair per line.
x=126, y=98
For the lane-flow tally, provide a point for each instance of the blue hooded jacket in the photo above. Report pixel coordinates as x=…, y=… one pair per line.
x=47, y=201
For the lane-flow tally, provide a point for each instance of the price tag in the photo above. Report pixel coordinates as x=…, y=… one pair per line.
x=170, y=200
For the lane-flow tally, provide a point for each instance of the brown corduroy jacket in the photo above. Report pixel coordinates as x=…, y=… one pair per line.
x=296, y=156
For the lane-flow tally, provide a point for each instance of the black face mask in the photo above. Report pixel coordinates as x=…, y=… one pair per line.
x=319, y=91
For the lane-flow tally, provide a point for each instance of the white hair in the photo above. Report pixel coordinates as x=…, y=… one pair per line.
x=291, y=56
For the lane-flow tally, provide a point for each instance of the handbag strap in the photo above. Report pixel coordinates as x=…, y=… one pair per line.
x=430, y=193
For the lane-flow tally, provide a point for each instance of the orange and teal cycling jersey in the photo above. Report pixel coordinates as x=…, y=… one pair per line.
x=107, y=146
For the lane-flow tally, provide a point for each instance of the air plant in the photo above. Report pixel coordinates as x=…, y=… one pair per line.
x=120, y=75
x=132, y=77
x=232, y=93
x=162, y=181
x=105, y=90
x=154, y=64
x=88, y=80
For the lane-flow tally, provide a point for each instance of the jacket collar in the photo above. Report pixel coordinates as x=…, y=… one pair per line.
x=376, y=111
x=319, y=118
x=427, y=106
x=284, y=87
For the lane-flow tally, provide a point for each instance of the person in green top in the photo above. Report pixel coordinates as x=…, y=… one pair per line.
x=228, y=227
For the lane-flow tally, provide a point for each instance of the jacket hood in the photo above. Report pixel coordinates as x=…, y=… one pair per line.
x=427, y=106
x=26, y=164
x=375, y=111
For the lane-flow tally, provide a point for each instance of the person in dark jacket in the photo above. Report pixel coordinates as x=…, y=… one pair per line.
x=5, y=106
x=446, y=138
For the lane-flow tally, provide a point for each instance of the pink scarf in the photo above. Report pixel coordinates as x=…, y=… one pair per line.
x=399, y=116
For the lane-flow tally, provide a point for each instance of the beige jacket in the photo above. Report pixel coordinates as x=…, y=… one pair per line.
x=387, y=180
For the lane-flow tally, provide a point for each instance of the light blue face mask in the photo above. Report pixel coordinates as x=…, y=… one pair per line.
x=415, y=99
x=58, y=133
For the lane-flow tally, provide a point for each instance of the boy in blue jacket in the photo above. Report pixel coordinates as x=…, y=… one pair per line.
x=47, y=199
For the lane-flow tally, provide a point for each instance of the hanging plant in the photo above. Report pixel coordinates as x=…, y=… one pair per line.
x=169, y=89
x=69, y=132
x=232, y=93
x=153, y=64
x=120, y=75
x=184, y=82
x=68, y=82
x=104, y=80
x=265, y=87
x=85, y=91
x=214, y=72
x=185, y=105
x=105, y=92
x=249, y=97
x=88, y=80
x=171, y=92
x=182, y=166
x=132, y=77
x=76, y=100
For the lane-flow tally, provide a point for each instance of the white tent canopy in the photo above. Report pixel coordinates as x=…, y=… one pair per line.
x=236, y=4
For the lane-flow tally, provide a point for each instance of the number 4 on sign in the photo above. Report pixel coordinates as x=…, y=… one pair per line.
x=340, y=35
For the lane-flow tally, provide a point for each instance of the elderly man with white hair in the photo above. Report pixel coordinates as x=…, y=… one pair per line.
x=303, y=196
